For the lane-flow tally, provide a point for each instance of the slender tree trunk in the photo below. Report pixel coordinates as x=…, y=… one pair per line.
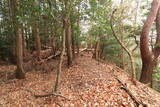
x=68, y=42
x=58, y=74
x=35, y=30
x=124, y=47
x=146, y=54
x=122, y=54
x=78, y=25
x=68, y=33
x=101, y=53
x=19, y=54
x=23, y=42
x=97, y=50
x=73, y=46
x=37, y=40
x=46, y=34
x=122, y=39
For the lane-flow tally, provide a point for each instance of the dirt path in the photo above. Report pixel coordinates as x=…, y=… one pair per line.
x=92, y=84
x=88, y=84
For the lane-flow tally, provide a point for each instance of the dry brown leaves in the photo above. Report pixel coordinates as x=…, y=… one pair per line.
x=87, y=83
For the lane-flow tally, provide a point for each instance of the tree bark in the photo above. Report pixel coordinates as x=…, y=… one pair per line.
x=68, y=41
x=19, y=55
x=68, y=34
x=19, y=73
x=24, y=42
x=37, y=40
x=97, y=50
x=157, y=45
x=146, y=53
x=78, y=25
x=35, y=28
x=58, y=74
x=73, y=45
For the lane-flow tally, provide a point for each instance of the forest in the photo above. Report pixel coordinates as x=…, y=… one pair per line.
x=80, y=53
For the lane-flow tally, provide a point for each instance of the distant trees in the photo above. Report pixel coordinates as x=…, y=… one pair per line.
x=149, y=57
x=28, y=26
x=37, y=39
x=36, y=32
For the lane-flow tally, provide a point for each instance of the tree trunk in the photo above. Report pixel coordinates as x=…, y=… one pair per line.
x=97, y=50
x=146, y=54
x=77, y=49
x=78, y=25
x=73, y=46
x=147, y=70
x=19, y=55
x=46, y=34
x=58, y=74
x=37, y=40
x=19, y=73
x=68, y=42
x=124, y=47
x=157, y=45
x=67, y=26
x=24, y=43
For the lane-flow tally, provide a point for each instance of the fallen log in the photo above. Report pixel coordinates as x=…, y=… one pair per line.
x=143, y=94
x=47, y=95
x=138, y=102
x=48, y=58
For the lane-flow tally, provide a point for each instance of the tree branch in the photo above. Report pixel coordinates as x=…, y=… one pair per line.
x=47, y=95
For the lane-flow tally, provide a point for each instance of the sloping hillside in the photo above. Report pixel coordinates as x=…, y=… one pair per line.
x=88, y=83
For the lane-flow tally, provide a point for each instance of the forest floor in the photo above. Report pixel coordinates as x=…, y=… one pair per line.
x=88, y=83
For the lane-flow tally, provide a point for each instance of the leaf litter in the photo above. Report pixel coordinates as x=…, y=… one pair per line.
x=88, y=83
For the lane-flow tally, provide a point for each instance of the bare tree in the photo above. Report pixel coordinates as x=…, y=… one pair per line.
x=58, y=74
x=123, y=46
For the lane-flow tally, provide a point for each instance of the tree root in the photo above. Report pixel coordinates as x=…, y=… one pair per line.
x=47, y=95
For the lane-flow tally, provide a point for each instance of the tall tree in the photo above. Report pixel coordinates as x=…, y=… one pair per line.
x=37, y=39
x=19, y=54
x=18, y=33
x=149, y=57
x=36, y=31
x=67, y=26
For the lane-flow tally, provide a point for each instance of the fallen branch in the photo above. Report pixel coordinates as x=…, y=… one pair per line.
x=137, y=101
x=47, y=95
x=48, y=58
